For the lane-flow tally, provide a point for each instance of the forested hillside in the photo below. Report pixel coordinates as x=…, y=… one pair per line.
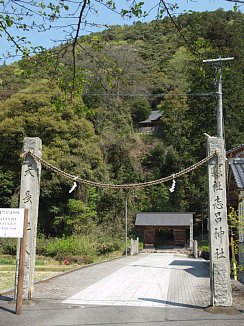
x=88, y=120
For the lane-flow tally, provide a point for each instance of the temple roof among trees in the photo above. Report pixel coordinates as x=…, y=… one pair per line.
x=164, y=219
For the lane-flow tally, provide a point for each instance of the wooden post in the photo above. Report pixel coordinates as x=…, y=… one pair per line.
x=241, y=235
x=233, y=256
x=191, y=233
x=218, y=227
x=126, y=225
x=21, y=269
x=29, y=198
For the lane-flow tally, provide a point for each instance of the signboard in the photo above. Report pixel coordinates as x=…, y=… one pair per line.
x=11, y=222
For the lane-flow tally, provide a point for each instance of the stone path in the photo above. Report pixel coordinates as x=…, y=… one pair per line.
x=147, y=290
x=155, y=280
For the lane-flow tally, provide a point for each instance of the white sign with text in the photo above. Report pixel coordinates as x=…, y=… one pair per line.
x=11, y=222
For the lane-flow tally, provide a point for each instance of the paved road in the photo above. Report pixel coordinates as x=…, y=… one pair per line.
x=146, y=290
x=156, y=280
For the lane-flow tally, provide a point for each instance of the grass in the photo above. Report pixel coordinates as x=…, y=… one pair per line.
x=44, y=268
x=7, y=260
x=7, y=276
x=203, y=245
x=6, y=280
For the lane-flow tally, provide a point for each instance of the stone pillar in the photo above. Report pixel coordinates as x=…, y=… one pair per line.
x=134, y=246
x=195, y=249
x=218, y=227
x=29, y=198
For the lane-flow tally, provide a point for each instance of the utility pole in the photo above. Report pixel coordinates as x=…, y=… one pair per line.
x=220, y=119
x=126, y=225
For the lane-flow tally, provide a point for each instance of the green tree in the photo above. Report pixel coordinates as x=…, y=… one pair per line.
x=80, y=218
x=140, y=110
x=69, y=142
x=93, y=135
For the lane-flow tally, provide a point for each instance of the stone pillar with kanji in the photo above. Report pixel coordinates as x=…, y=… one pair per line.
x=29, y=198
x=220, y=284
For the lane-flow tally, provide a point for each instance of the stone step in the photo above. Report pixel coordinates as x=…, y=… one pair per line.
x=170, y=251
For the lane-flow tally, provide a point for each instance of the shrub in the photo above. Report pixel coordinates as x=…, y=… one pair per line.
x=40, y=262
x=7, y=260
x=108, y=245
x=203, y=245
x=64, y=246
x=8, y=246
x=41, y=244
x=84, y=247
x=67, y=260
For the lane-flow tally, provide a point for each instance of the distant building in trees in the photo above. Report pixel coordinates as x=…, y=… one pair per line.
x=153, y=124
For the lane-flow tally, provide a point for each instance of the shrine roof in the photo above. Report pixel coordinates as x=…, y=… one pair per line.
x=154, y=116
x=235, y=151
x=237, y=168
x=164, y=219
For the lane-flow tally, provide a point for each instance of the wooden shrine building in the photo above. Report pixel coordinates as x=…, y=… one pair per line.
x=153, y=125
x=166, y=229
x=235, y=196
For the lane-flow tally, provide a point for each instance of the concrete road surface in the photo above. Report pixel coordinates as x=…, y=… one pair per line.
x=148, y=289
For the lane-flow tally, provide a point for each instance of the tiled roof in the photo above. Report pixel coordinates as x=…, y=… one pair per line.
x=236, y=149
x=237, y=168
x=163, y=219
x=154, y=115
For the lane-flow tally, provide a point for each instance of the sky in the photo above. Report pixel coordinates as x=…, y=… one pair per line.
x=184, y=5
x=101, y=16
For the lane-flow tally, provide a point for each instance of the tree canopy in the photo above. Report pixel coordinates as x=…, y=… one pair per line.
x=22, y=23
x=122, y=74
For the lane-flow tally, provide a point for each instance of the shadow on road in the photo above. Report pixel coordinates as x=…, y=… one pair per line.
x=196, y=268
x=175, y=304
x=8, y=310
x=4, y=298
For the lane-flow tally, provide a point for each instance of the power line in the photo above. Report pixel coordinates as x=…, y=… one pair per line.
x=152, y=95
x=200, y=94
x=235, y=1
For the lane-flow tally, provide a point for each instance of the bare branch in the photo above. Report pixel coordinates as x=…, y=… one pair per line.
x=85, y=3
x=11, y=38
x=190, y=46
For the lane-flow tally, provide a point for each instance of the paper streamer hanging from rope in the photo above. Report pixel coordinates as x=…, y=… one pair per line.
x=73, y=187
x=172, y=189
